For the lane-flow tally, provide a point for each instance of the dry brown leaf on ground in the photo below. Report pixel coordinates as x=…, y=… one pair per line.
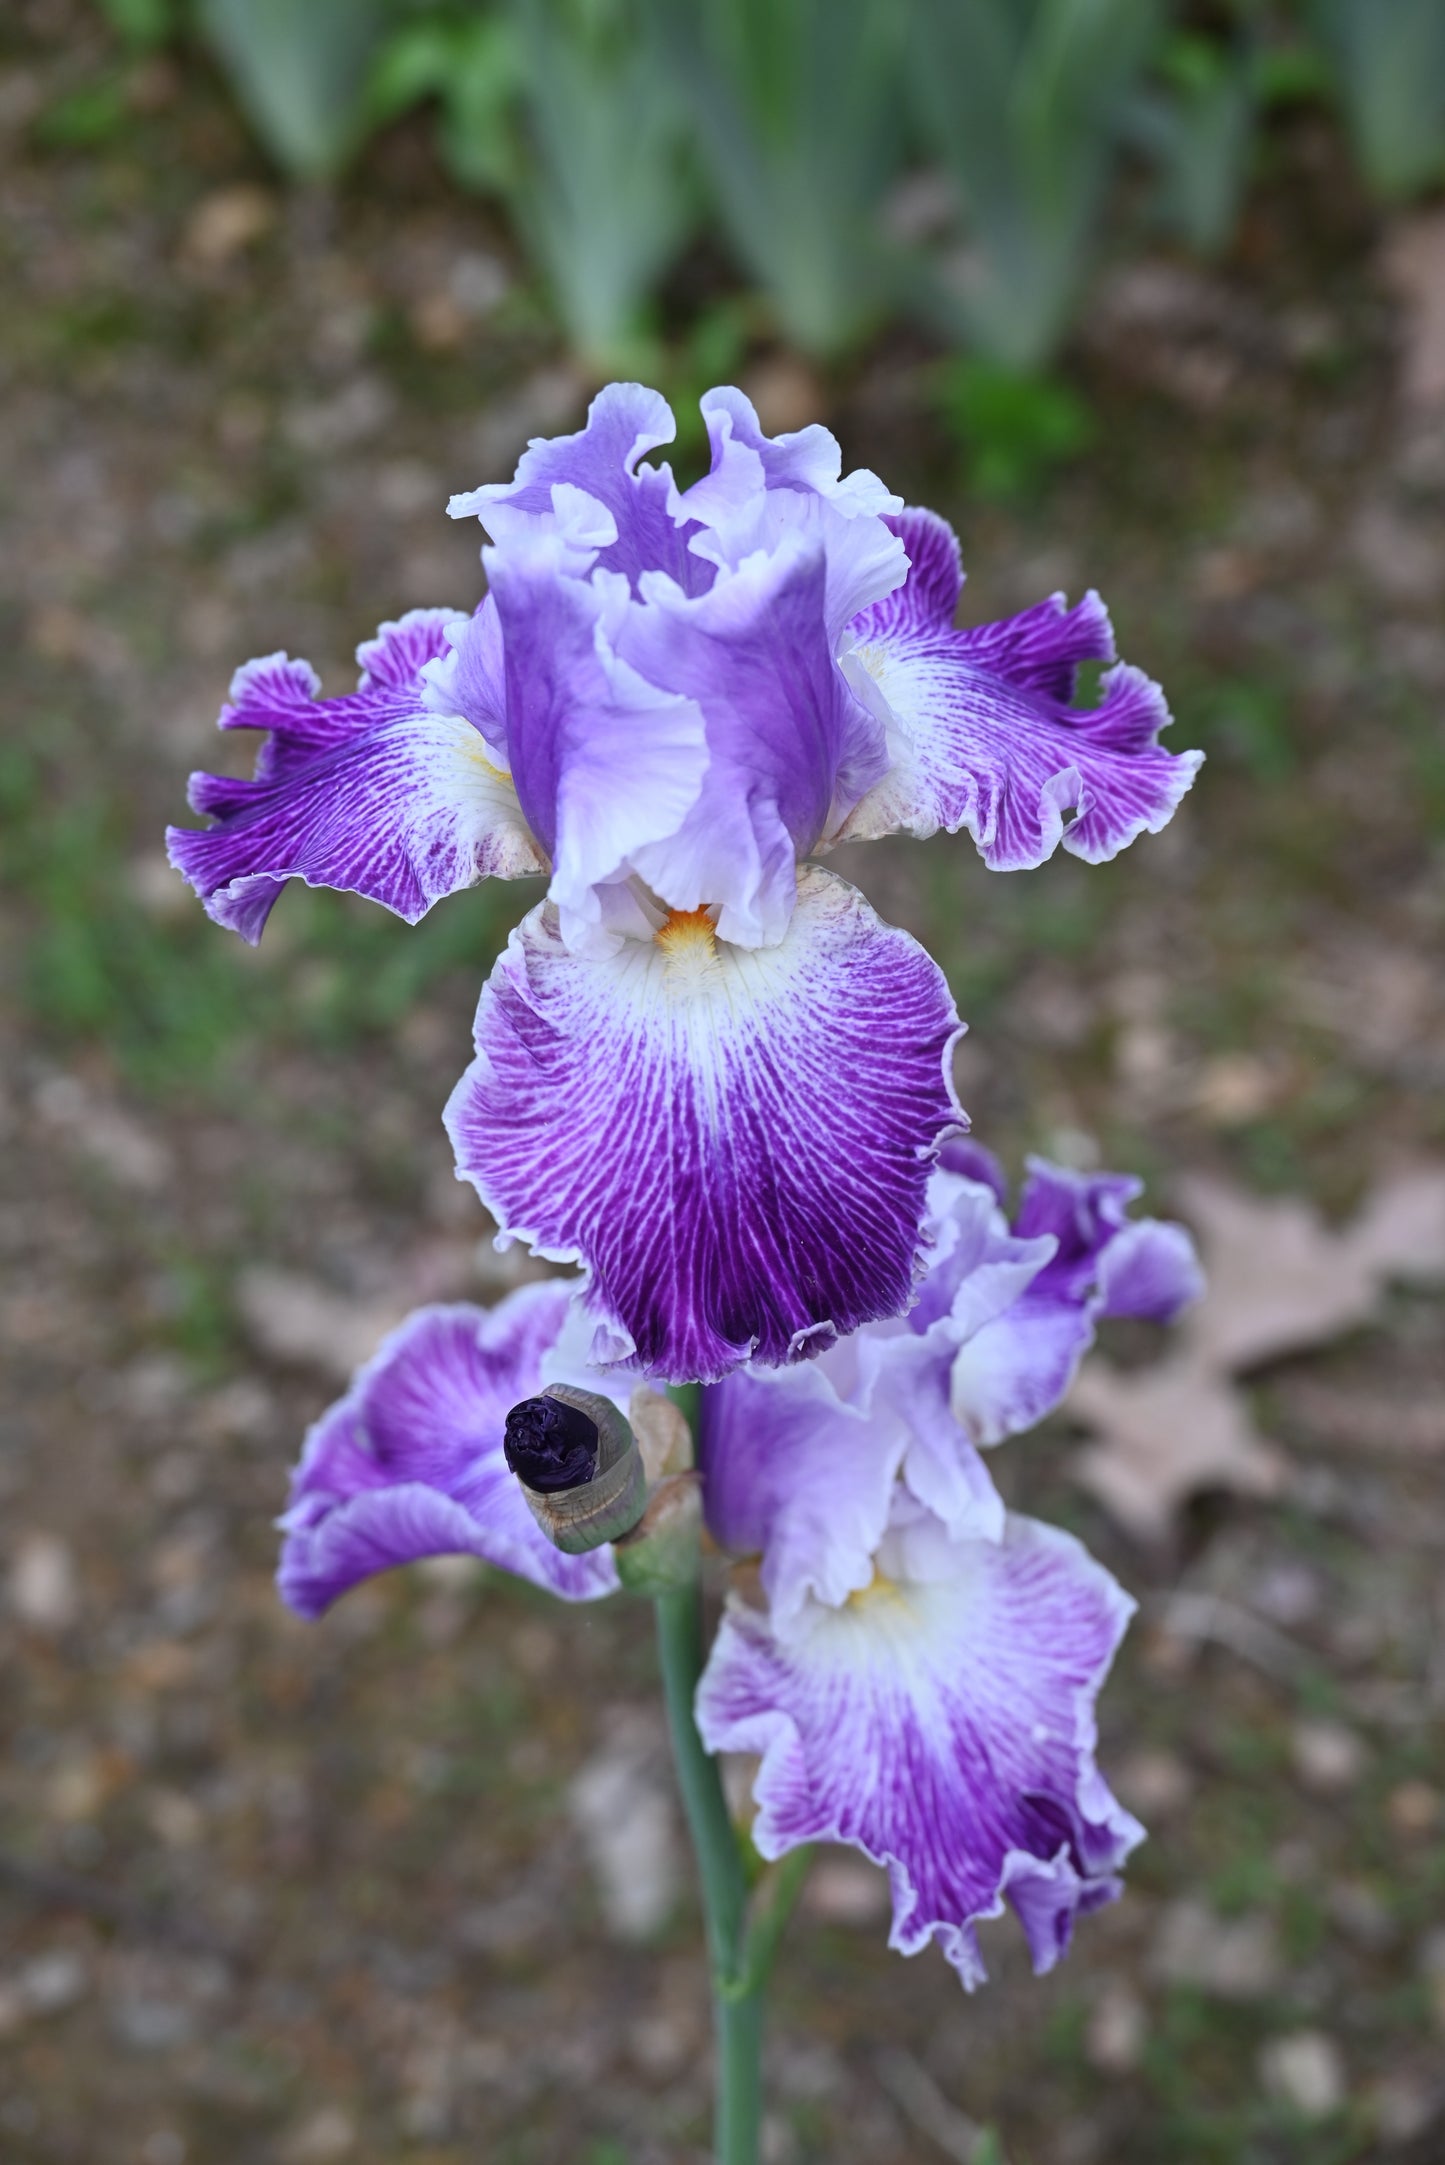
x=1165, y=1433
x=1413, y=261
x=1279, y=1281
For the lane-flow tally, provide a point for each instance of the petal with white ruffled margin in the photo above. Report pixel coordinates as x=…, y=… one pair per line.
x=734, y=1143
x=409, y=1463
x=942, y=1722
x=981, y=730
x=372, y=792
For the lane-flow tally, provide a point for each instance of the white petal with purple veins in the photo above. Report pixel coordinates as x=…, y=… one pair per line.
x=982, y=734
x=734, y=1143
x=372, y=792
x=942, y=1721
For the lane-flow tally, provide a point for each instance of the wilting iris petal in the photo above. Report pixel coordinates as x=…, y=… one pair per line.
x=734, y=1143
x=1145, y=1267
x=410, y=1462
x=1016, y=1369
x=982, y=733
x=942, y=1721
x=371, y=792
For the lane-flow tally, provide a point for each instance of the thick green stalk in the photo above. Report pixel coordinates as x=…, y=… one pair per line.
x=740, y=1960
x=724, y=1888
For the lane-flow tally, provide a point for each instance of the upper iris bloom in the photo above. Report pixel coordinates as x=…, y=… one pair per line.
x=705, y=1070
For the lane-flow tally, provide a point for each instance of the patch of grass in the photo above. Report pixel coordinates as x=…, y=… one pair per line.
x=88, y=118
x=1014, y=430
x=1244, y=722
x=176, y=999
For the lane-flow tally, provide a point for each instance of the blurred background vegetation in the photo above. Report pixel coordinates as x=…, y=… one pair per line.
x=953, y=162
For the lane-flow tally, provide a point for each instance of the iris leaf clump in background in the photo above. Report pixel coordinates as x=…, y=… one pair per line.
x=615, y=131
x=1199, y=124
x=603, y=196
x=1023, y=105
x=1388, y=63
x=796, y=108
x=299, y=71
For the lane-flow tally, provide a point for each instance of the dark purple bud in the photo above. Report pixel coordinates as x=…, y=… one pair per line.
x=549, y=1446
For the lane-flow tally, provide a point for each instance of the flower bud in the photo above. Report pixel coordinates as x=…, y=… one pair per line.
x=578, y=1466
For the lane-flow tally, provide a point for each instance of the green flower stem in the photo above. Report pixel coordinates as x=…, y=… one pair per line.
x=769, y=1920
x=740, y=1954
x=724, y=1888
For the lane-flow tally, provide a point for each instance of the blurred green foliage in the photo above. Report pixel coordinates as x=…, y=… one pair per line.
x=962, y=161
x=1387, y=59
x=175, y=1006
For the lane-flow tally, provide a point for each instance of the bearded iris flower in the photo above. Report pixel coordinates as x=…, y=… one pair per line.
x=903, y=1617
x=706, y=1071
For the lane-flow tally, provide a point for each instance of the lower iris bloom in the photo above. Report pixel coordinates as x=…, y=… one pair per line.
x=669, y=702
x=915, y=1668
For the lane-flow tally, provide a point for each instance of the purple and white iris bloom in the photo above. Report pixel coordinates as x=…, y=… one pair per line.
x=908, y=1621
x=921, y=1678
x=669, y=701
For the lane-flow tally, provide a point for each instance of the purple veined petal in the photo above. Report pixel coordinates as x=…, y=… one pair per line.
x=982, y=734
x=1083, y=1211
x=471, y=679
x=944, y=1725
x=604, y=762
x=734, y=1143
x=1017, y=1368
x=624, y=421
x=795, y=1474
x=371, y=793
x=1145, y=1267
x=1014, y=1369
x=970, y=1161
x=409, y=1463
x=1150, y=1269
x=802, y=491
x=786, y=739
